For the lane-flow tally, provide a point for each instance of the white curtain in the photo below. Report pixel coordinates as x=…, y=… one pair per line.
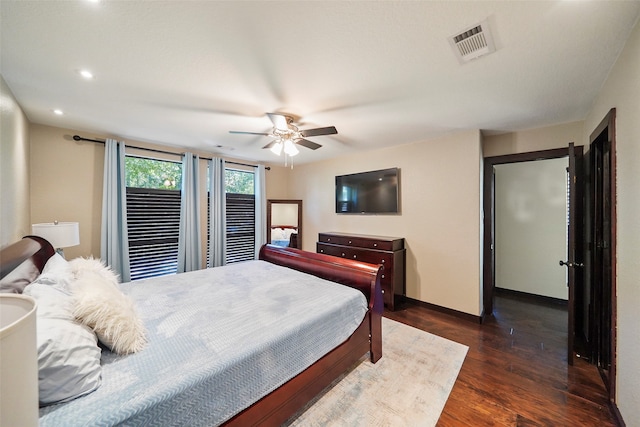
x=261, y=208
x=114, y=241
x=189, y=248
x=217, y=213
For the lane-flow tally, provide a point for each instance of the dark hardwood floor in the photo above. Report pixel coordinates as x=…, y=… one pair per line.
x=516, y=372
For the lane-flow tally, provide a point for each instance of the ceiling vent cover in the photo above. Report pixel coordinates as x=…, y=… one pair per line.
x=473, y=42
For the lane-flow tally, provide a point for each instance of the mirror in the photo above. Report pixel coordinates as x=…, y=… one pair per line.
x=284, y=222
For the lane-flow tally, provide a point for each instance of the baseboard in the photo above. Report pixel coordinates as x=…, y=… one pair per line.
x=459, y=314
x=525, y=296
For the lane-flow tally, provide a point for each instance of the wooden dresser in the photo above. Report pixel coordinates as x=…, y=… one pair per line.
x=388, y=251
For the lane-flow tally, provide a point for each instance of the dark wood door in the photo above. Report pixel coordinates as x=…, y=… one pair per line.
x=602, y=254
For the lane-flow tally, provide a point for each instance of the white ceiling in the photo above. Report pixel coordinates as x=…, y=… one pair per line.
x=184, y=73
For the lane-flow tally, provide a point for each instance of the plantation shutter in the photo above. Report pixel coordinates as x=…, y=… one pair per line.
x=153, y=218
x=240, y=227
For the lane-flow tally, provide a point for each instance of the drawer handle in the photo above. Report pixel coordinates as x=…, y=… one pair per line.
x=383, y=276
x=349, y=241
x=342, y=253
x=354, y=257
x=321, y=251
x=328, y=240
x=375, y=245
x=383, y=291
x=383, y=261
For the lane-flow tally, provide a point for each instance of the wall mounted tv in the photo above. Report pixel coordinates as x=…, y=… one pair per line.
x=375, y=192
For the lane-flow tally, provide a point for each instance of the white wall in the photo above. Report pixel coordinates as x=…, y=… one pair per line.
x=622, y=91
x=440, y=218
x=15, y=208
x=531, y=227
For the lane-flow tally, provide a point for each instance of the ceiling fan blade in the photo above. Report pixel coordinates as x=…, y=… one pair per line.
x=271, y=144
x=249, y=133
x=280, y=121
x=308, y=144
x=331, y=130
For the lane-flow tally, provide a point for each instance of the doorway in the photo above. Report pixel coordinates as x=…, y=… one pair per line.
x=574, y=233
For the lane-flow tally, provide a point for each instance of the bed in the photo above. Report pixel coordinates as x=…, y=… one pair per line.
x=284, y=236
x=137, y=389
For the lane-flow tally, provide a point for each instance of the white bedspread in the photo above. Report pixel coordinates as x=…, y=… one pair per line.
x=219, y=340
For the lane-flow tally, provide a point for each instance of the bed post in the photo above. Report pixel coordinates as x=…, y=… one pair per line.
x=376, y=306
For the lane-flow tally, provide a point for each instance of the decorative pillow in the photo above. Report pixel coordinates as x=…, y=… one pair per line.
x=68, y=352
x=99, y=304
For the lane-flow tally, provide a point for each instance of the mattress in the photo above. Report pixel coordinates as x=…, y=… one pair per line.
x=219, y=340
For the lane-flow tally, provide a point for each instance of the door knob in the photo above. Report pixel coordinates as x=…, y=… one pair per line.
x=571, y=264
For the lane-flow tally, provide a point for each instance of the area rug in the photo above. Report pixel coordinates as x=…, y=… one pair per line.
x=409, y=386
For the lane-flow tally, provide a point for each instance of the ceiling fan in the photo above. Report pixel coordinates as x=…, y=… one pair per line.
x=288, y=135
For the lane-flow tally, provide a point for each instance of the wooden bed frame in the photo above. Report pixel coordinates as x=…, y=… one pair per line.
x=282, y=403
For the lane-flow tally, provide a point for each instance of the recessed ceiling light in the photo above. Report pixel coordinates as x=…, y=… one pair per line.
x=58, y=112
x=86, y=74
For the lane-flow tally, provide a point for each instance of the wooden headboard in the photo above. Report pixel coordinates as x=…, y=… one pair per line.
x=33, y=250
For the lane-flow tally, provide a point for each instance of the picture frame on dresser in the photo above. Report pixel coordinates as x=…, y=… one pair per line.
x=387, y=251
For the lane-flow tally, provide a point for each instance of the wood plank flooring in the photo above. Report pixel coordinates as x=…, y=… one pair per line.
x=516, y=372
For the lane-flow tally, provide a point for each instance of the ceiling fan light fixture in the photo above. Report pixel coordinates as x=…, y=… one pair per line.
x=277, y=148
x=290, y=148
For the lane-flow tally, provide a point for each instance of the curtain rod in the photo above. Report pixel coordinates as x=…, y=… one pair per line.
x=153, y=150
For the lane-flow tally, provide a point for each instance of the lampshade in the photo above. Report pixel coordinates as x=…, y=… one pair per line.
x=19, y=356
x=59, y=234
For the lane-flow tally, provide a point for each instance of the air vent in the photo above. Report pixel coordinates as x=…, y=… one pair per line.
x=473, y=42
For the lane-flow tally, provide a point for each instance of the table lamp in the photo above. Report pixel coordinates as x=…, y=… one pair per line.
x=59, y=234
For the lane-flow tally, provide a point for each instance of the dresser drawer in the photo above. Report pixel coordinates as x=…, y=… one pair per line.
x=359, y=241
x=358, y=254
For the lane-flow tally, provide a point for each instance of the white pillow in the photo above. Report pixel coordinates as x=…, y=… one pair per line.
x=68, y=352
x=55, y=272
x=288, y=232
x=277, y=234
x=99, y=304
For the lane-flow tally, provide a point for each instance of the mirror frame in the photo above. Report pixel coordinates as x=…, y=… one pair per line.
x=289, y=202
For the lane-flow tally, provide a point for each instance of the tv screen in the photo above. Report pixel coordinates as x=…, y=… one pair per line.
x=375, y=192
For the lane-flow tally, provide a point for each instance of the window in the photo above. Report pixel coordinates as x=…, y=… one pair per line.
x=241, y=217
x=153, y=215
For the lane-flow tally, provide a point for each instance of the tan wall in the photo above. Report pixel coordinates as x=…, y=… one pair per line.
x=440, y=203
x=66, y=182
x=545, y=138
x=622, y=91
x=15, y=220
x=531, y=227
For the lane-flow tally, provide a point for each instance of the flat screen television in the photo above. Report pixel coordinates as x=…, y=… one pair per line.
x=374, y=192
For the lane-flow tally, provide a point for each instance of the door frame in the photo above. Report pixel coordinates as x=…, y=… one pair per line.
x=608, y=125
x=488, y=209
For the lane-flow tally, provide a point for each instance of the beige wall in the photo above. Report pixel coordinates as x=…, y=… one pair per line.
x=531, y=227
x=440, y=203
x=545, y=138
x=622, y=91
x=15, y=221
x=66, y=182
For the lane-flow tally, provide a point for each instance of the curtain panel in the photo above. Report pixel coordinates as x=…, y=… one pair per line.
x=217, y=213
x=189, y=248
x=114, y=242
x=261, y=208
